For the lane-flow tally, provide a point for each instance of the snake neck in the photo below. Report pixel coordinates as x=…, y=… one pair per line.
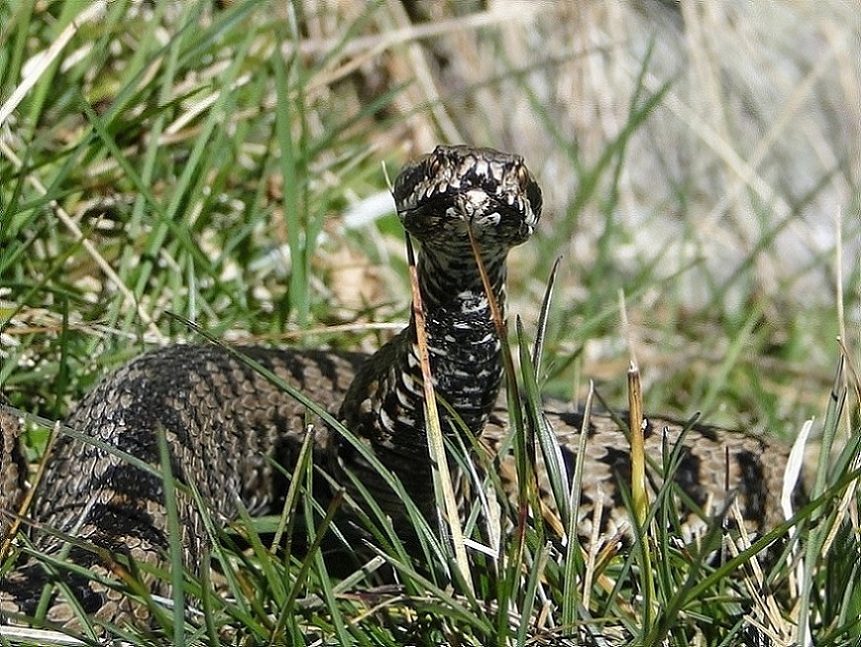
x=385, y=402
x=463, y=344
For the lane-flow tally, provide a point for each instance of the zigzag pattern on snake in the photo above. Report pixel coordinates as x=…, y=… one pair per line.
x=226, y=424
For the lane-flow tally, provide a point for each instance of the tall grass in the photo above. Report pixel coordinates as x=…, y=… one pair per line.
x=196, y=159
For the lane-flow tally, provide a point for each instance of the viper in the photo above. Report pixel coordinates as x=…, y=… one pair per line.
x=232, y=431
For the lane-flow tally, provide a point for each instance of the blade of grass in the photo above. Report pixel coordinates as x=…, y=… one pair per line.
x=289, y=112
x=574, y=563
x=543, y=318
x=313, y=554
x=547, y=441
x=536, y=572
x=175, y=534
x=303, y=463
x=436, y=448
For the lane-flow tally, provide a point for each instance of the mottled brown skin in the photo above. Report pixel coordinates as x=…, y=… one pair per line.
x=13, y=468
x=225, y=423
x=716, y=466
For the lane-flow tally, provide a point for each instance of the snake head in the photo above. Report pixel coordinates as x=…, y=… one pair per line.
x=444, y=192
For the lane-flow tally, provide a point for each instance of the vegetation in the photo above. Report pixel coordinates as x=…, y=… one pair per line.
x=216, y=162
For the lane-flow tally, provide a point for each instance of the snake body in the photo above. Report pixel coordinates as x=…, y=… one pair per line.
x=227, y=425
x=12, y=468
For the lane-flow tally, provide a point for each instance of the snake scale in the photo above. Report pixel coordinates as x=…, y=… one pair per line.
x=228, y=426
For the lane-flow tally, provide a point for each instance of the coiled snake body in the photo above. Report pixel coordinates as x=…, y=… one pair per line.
x=227, y=425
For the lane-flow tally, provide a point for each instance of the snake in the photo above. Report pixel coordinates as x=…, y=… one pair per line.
x=234, y=433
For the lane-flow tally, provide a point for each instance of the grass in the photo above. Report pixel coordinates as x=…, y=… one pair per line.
x=196, y=159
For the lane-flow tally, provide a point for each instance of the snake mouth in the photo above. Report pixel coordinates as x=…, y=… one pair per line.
x=452, y=188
